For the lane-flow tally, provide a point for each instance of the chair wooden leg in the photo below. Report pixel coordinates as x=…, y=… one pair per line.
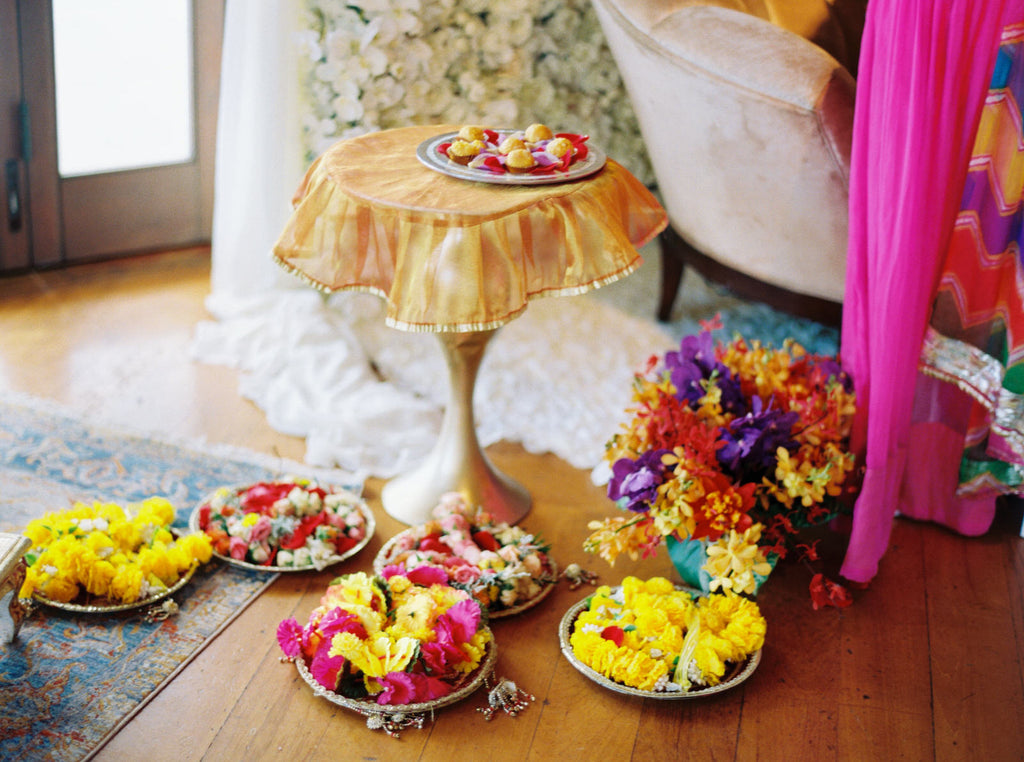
x=673, y=265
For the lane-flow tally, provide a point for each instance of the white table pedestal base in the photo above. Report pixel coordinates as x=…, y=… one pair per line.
x=457, y=464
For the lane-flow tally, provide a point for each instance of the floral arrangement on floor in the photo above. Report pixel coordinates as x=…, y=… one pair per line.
x=110, y=553
x=734, y=446
x=652, y=636
x=501, y=566
x=406, y=639
x=292, y=523
x=372, y=65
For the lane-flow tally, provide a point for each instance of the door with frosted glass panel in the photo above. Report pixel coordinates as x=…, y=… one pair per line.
x=115, y=127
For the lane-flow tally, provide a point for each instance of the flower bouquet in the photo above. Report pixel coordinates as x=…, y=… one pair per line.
x=105, y=556
x=398, y=641
x=503, y=567
x=731, y=450
x=648, y=637
x=287, y=525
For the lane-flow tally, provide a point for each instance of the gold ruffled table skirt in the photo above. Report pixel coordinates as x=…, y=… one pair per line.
x=454, y=255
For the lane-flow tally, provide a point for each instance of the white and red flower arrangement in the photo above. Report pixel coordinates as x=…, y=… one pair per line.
x=501, y=565
x=293, y=523
x=395, y=639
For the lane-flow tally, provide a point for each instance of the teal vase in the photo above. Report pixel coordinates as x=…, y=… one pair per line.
x=689, y=556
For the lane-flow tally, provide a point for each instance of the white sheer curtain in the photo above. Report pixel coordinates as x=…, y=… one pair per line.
x=259, y=149
x=368, y=398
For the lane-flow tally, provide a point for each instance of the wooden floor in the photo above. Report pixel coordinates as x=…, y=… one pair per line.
x=925, y=665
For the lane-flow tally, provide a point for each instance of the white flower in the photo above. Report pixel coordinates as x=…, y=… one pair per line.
x=379, y=64
x=285, y=558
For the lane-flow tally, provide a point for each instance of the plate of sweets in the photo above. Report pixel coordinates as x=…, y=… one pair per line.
x=288, y=525
x=103, y=557
x=504, y=567
x=534, y=156
x=393, y=649
x=652, y=639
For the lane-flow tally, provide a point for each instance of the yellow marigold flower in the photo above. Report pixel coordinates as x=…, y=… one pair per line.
x=40, y=532
x=126, y=585
x=736, y=620
x=155, y=561
x=708, y=657
x=59, y=587
x=100, y=544
x=198, y=546
x=636, y=668
x=97, y=577
x=159, y=509
x=659, y=586
x=593, y=650
x=125, y=535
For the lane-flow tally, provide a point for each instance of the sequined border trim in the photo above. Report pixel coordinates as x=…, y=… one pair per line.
x=981, y=376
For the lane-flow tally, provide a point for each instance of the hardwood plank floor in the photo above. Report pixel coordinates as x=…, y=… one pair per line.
x=926, y=664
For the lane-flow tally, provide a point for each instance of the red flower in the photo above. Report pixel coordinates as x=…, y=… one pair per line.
x=305, y=528
x=615, y=634
x=486, y=540
x=432, y=542
x=825, y=592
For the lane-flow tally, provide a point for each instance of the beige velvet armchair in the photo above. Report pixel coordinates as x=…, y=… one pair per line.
x=746, y=109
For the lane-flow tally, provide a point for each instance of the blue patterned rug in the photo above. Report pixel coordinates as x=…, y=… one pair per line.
x=70, y=680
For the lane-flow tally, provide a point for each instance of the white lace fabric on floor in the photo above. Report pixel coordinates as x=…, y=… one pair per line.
x=371, y=399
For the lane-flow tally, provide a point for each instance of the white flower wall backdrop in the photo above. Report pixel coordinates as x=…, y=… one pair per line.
x=392, y=63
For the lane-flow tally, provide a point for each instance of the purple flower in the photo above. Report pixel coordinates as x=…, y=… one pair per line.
x=637, y=481
x=694, y=363
x=751, y=440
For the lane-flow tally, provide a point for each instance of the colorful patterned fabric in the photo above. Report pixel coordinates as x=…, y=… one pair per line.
x=976, y=339
x=69, y=679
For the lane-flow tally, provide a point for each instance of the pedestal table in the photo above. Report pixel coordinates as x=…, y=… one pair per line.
x=458, y=258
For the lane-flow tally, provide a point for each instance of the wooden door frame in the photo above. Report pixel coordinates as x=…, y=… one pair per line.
x=46, y=218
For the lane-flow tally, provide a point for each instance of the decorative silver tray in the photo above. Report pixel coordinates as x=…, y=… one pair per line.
x=733, y=677
x=427, y=153
x=108, y=608
x=361, y=506
x=370, y=708
x=383, y=559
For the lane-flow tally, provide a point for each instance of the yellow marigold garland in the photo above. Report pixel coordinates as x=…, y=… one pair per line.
x=635, y=635
x=108, y=552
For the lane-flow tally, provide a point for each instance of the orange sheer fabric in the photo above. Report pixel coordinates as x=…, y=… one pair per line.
x=455, y=255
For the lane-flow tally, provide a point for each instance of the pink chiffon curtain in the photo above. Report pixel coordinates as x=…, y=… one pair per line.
x=924, y=71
